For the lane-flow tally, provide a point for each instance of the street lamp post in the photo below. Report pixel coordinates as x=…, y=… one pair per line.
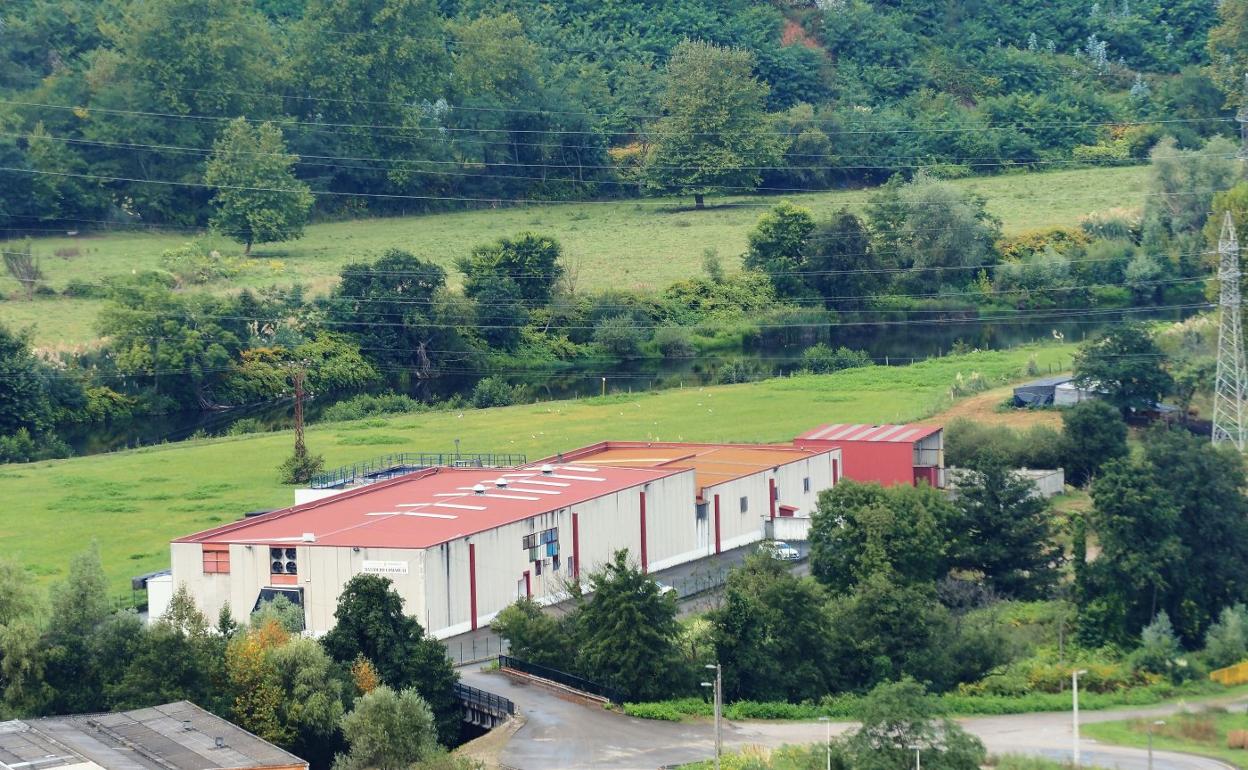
x=718, y=689
x=1074, y=689
x=828, y=745
x=1158, y=723
x=917, y=762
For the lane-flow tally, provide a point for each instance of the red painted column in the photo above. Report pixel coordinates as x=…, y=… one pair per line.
x=716, y=523
x=472, y=583
x=645, y=562
x=528, y=585
x=771, y=497
x=576, y=545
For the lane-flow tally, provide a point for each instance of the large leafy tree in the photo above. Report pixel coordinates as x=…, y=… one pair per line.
x=258, y=199
x=80, y=608
x=863, y=529
x=1228, y=50
x=1003, y=531
x=372, y=72
x=715, y=134
x=388, y=730
x=395, y=308
x=899, y=718
x=1093, y=433
x=529, y=260
x=24, y=401
x=371, y=624
x=1126, y=365
x=777, y=246
x=628, y=632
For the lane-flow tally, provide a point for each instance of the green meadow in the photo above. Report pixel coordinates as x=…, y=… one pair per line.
x=133, y=502
x=641, y=245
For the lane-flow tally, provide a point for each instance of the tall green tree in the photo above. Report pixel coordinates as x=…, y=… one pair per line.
x=715, y=134
x=529, y=260
x=1093, y=433
x=80, y=608
x=1125, y=364
x=777, y=247
x=371, y=624
x=628, y=632
x=24, y=401
x=859, y=530
x=22, y=687
x=1228, y=50
x=258, y=198
x=900, y=717
x=1003, y=531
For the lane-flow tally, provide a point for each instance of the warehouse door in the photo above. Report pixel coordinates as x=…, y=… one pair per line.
x=702, y=527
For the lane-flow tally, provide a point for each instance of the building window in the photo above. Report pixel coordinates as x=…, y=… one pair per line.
x=554, y=563
x=701, y=511
x=216, y=559
x=537, y=567
x=806, y=484
x=745, y=504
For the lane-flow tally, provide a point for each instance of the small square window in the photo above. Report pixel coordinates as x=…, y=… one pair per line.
x=216, y=559
x=745, y=504
x=806, y=484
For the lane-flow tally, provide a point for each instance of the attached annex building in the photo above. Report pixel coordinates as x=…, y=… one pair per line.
x=460, y=545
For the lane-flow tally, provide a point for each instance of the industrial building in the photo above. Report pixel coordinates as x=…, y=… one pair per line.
x=888, y=454
x=741, y=489
x=175, y=736
x=462, y=544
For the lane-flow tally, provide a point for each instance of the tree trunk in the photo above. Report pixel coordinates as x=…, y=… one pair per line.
x=247, y=248
x=699, y=201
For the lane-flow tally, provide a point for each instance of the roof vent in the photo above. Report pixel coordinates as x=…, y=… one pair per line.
x=186, y=725
x=309, y=537
x=501, y=483
x=548, y=469
x=219, y=742
x=478, y=489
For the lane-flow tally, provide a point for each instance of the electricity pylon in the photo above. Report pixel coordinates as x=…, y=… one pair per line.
x=1229, y=388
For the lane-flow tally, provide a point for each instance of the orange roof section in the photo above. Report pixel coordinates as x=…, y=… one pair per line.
x=711, y=463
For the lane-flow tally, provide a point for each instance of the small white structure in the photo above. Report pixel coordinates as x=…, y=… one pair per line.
x=1069, y=394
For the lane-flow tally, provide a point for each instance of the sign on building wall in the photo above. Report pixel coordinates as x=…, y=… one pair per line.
x=385, y=567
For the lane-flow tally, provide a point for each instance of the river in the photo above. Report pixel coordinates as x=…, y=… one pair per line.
x=896, y=344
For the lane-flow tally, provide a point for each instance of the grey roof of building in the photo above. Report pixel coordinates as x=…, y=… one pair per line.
x=1047, y=382
x=175, y=736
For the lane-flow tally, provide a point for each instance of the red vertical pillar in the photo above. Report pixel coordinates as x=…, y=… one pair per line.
x=528, y=585
x=576, y=545
x=771, y=497
x=645, y=561
x=716, y=523
x=836, y=470
x=472, y=583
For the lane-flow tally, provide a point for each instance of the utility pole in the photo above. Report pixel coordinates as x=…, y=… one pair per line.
x=301, y=449
x=718, y=686
x=1229, y=386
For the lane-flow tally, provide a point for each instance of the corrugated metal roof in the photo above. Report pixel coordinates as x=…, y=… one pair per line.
x=175, y=736
x=712, y=463
x=430, y=507
x=888, y=433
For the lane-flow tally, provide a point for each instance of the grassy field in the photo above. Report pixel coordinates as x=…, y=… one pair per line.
x=643, y=245
x=1198, y=733
x=134, y=502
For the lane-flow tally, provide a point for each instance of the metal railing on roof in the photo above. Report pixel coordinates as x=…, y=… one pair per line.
x=402, y=463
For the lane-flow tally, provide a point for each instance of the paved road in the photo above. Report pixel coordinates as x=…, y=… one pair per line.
x=566, y=734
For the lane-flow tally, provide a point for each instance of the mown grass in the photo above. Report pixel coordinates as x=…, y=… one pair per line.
x=846, y=706
x=641, y=245
x=1196, y=733
x=134, y=502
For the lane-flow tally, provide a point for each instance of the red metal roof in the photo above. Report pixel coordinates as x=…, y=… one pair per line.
x=895, y=434
x=430, y=507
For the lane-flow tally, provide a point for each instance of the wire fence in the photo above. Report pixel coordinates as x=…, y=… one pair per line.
x=464, y=651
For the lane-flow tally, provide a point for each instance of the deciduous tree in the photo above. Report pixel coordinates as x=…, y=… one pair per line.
x=1125, y=364
x=715, y=134
x=388, y=730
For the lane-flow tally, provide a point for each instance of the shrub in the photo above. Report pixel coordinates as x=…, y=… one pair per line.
x=822, y=359
x=299, y=469
x=673, y=342
x=738, y=370
x=619, y=336
x=81, y=289
x=23, y=447
x=1226, y=641
x=368, y=405
x=246, y=426
x=196, y=263
x=495, y=391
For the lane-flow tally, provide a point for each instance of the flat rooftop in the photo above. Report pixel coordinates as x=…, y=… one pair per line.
x=431, y=507
x=711, y=463
x=175, y=736
x=894, y=434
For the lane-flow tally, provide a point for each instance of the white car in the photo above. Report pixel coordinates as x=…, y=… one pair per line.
x=778, y=549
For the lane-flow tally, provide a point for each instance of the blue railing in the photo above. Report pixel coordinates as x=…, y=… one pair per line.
x=403, y=463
